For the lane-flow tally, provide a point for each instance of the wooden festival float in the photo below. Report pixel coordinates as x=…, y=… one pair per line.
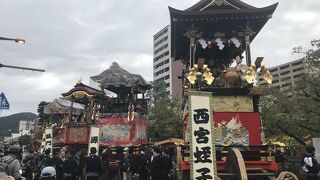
x=223, y=131
x=112, y=116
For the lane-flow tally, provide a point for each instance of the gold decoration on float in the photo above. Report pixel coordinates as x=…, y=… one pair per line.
x=200, y=71
x=79, y=95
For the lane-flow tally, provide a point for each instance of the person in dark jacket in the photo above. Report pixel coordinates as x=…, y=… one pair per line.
x=59, y=162
x=167, y=164
x=156, y=166
x=142, y=166
x=29, y=164
x=80, y=158
x=47, y=157
x=70, y=167
x=39, y=165
x=126, y=164
x=93, y=165
x=309, y=164
x=104, y=164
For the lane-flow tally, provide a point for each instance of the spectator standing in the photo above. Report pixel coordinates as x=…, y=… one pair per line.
x=13, y=164
x=126, y=164
x=59, y=162
x=1, y=153
x=167, y=164
x=39, y=165
x=104, y=164
x=48, y=172
x=79, y=157
x=70, y=167
x=93, y=165
x=142, y=168
x=46, y=157
x=29, y=164
x=156, y=164
x=309, y=164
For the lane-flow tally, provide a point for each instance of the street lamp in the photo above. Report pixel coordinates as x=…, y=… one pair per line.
x=20, y=41
x=17, y=40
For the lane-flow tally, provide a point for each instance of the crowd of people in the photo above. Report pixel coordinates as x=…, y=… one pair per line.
x=150, y=163
x=70, y=164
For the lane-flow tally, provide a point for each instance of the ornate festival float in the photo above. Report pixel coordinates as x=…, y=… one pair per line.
x=114, y=115
x=222, y=126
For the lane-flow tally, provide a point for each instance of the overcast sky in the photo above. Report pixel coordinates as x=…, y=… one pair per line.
x=77, y=39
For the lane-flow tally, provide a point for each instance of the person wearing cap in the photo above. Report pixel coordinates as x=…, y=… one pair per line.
x=49, y=172
x=93, y=165
x=14, y=166
x=126, y=164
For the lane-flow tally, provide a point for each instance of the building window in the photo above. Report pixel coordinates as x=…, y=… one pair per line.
x=298, y=69
x=161, y=56
x=275, y=81
x=286, y=85
x=166, y=77
x=297, y=76
x=159, y=72
x=273, y=70
x=285, y=79
x=161, y=79
x=297, y=63
x=167, y=84
x=166, y=69
x=157, y=43
x=275, y=75
x=284, y=73
x=284, y=67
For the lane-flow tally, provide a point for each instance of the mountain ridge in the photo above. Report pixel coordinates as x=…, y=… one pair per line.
x=12, y=122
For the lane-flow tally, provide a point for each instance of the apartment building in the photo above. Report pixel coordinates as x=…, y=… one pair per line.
x=285, y=75
x=164, y=68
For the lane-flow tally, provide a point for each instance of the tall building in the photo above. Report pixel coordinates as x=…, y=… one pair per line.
x=164, y=69
x=285, y=75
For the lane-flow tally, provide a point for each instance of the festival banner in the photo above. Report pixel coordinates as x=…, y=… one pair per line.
x=94, y=139
x=202, y=154
x=43, y=143
x=237, y=128
x=77, y=135
x=118, y=131
x=234, y=128
x=48, y=139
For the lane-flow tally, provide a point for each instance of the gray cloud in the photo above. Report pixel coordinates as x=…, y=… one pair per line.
x=74, y=38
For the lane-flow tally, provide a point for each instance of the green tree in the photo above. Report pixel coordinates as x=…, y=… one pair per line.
x=165, y=114
x=42, y=116
x=24, y=140
x=295, y=112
